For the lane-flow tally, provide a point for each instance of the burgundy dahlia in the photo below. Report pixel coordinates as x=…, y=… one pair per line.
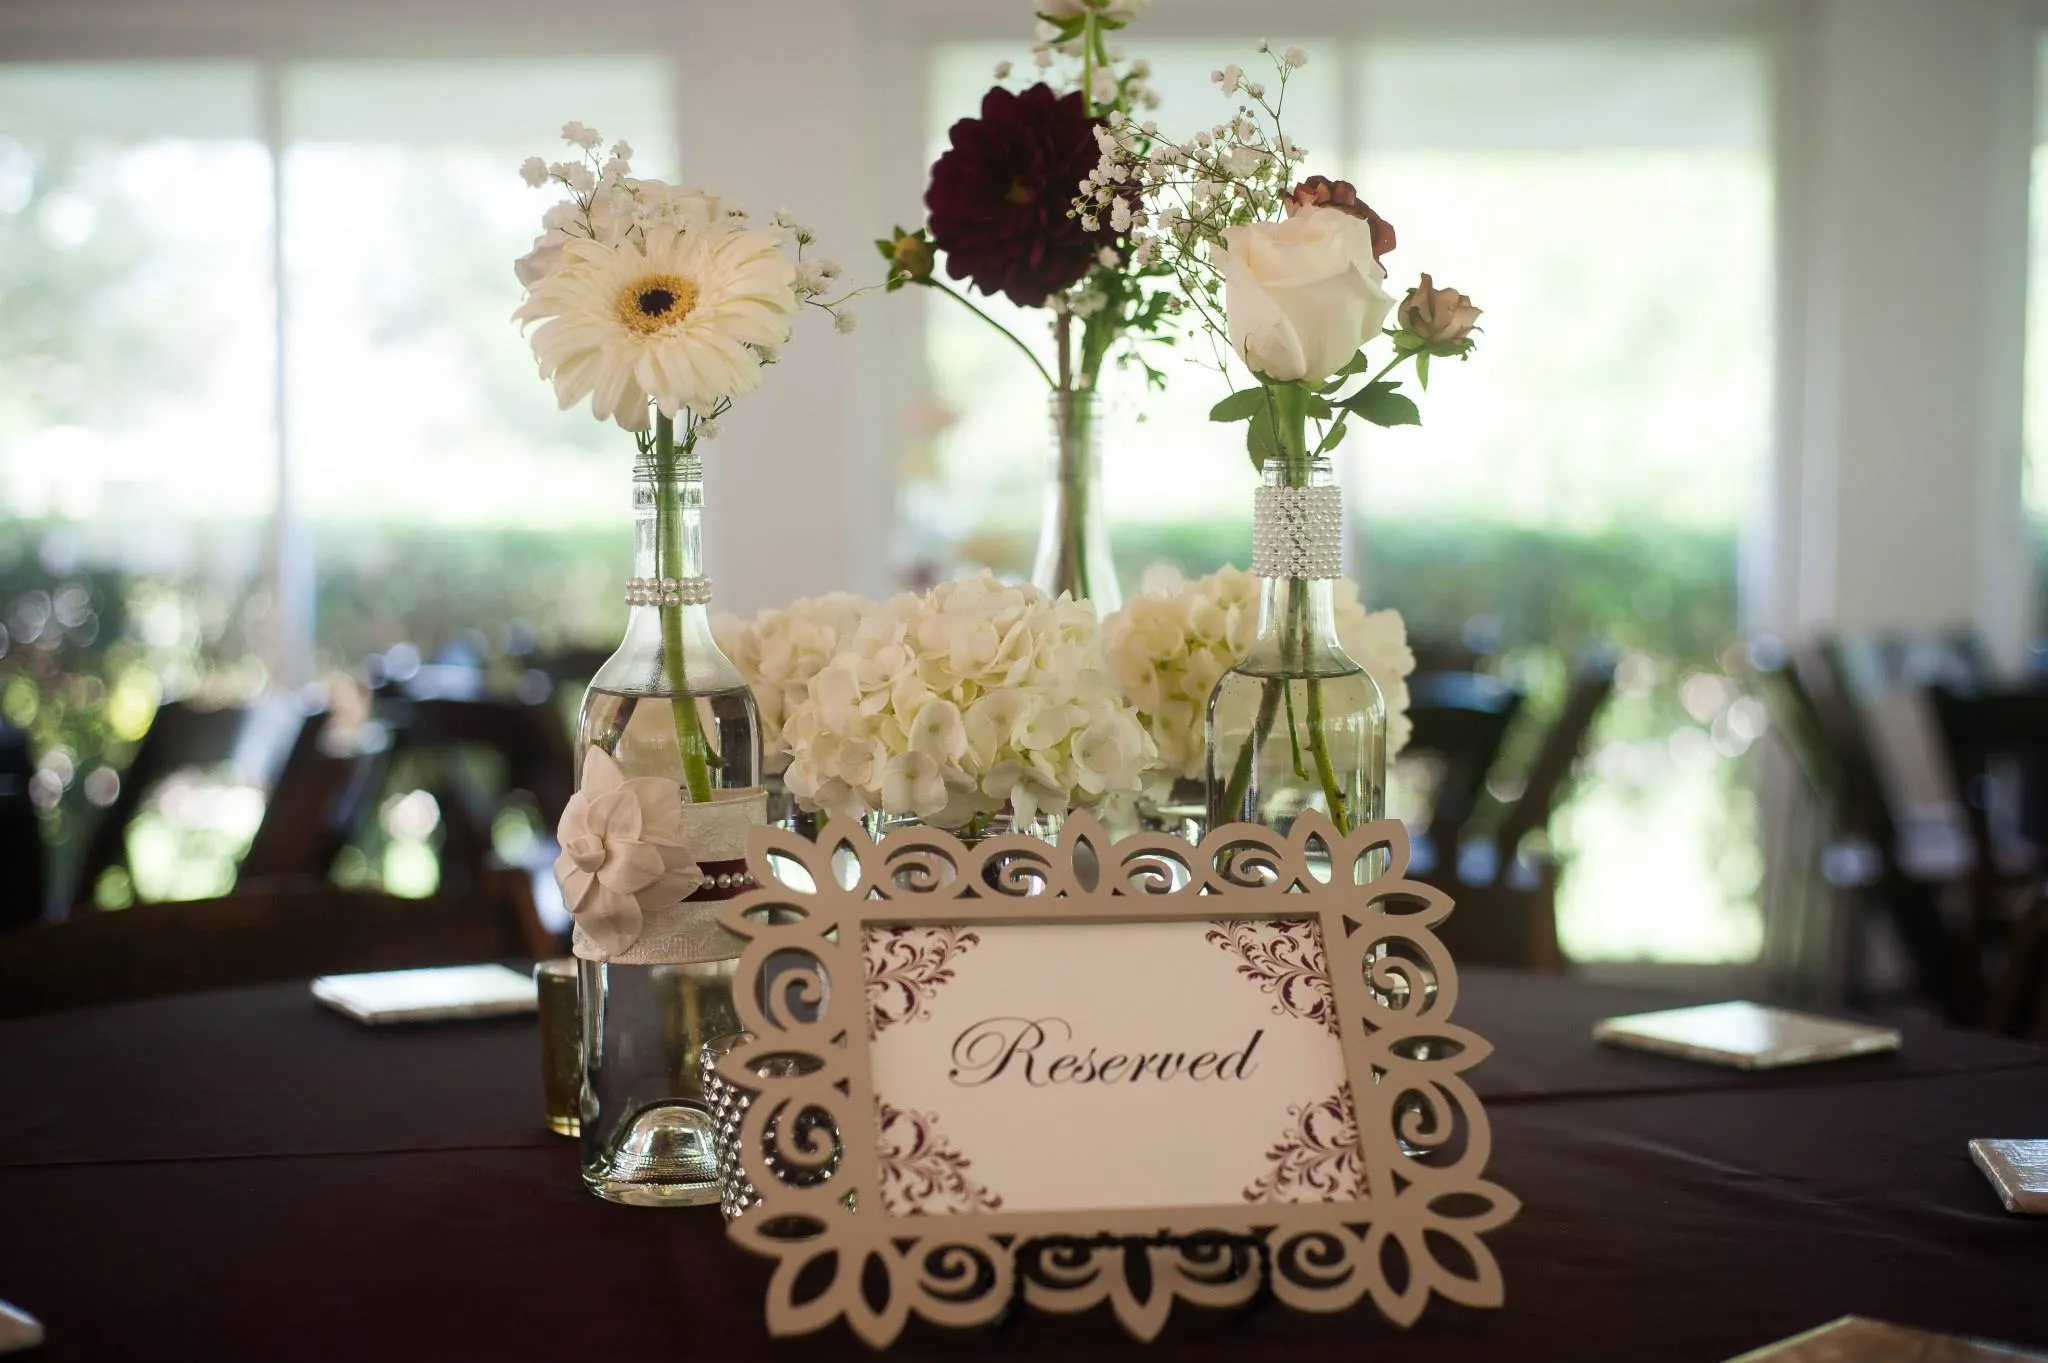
x=999, y=195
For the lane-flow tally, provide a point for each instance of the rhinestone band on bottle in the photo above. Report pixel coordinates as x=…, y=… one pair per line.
x=1298, y=532
x=668, y=591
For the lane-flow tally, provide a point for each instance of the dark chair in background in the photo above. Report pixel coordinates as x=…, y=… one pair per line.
x=24, y=883
x=1461, y=721
x=314, y=805
x=278, y=932
x=440, y=742
x=1896, y=872
x=255, y=740
x=1997, y=744
x=1507, y=894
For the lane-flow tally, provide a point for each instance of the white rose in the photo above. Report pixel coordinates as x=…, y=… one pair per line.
x=1303, y=294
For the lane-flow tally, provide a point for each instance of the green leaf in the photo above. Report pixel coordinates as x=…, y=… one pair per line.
x=1262, y=437
x=1318, y=408
x=1422, y=370
x=1383, y=405
x=1239, y=406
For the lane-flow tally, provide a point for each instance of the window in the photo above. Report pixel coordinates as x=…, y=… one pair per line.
x=166, y=518
x=1585, y=478
x=1588, y=474
x=418, y=433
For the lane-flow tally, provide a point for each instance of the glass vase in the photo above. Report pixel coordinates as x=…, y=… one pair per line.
x=1297, y=724
x=670, y=705
x=1073, y=534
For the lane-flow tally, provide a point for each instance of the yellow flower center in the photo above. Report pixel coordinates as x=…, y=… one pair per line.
x=655, y=302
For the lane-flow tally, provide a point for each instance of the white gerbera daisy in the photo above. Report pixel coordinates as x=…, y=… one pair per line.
x=679, y=316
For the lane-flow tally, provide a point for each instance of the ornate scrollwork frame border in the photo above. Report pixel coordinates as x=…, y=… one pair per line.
x=808, y=1140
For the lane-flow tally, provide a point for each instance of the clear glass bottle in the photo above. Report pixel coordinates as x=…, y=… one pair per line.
x=669, y=703
x=1073, y=535
x=1297, y=724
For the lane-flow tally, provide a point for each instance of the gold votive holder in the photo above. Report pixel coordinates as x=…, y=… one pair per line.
x=561, y=1045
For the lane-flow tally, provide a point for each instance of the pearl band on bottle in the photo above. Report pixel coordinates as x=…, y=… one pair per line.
x=1298, y=532
x=668, y=591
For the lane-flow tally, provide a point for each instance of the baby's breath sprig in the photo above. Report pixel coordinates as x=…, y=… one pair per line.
x=1177, y=199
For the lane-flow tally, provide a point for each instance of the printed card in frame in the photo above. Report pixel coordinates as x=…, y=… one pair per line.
x=1061, y=1074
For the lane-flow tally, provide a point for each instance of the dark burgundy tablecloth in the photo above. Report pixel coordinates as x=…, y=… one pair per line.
x=246, y=1176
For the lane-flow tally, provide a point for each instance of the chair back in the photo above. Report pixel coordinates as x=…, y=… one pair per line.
x=1997, y=745
x=314, y=804
x=254, y=738
x=264, y=934
x=24, y=886
x=434, y=736
x=1826, y=670
x=1461, y=720
x=1557, y=759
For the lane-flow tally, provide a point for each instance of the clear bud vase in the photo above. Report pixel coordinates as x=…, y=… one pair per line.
x=1073, y=535
x=669, y=705
x=1297, y=724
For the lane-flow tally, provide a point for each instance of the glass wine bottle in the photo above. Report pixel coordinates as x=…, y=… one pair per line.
x=668, y=704
x=1297, y=724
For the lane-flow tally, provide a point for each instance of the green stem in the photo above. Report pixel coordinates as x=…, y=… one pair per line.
x=1290, y=427
x=1335, y=434
x=1088, y=63
x=668, y=557
x=964, y=301
x=1294, y=739
x=1319, y=745
x=1241, y=772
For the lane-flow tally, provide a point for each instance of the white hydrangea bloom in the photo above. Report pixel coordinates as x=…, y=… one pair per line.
x=779, y=651
x=1168, y=647
x=961, y=701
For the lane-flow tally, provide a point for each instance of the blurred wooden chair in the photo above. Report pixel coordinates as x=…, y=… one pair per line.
x=2019, y=1003
x=1461, y=720
x=24, y=885
x=275, y=932
x=315, y=802
x=1506, y=894
x=1901, y=871
x=438, y=738
x=1997, y=745
x=255, y=740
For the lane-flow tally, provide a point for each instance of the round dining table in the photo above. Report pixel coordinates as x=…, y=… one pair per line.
x=247, y=1175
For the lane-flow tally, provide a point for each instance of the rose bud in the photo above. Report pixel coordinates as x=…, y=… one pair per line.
x=1319, y=191
x=1441, y=319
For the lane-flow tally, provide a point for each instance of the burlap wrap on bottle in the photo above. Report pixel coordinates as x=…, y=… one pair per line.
x=715, y=832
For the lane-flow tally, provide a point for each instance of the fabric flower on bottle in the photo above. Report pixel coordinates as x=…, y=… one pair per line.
x=959, y=702
x=1168, y=647
x=623, y=853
